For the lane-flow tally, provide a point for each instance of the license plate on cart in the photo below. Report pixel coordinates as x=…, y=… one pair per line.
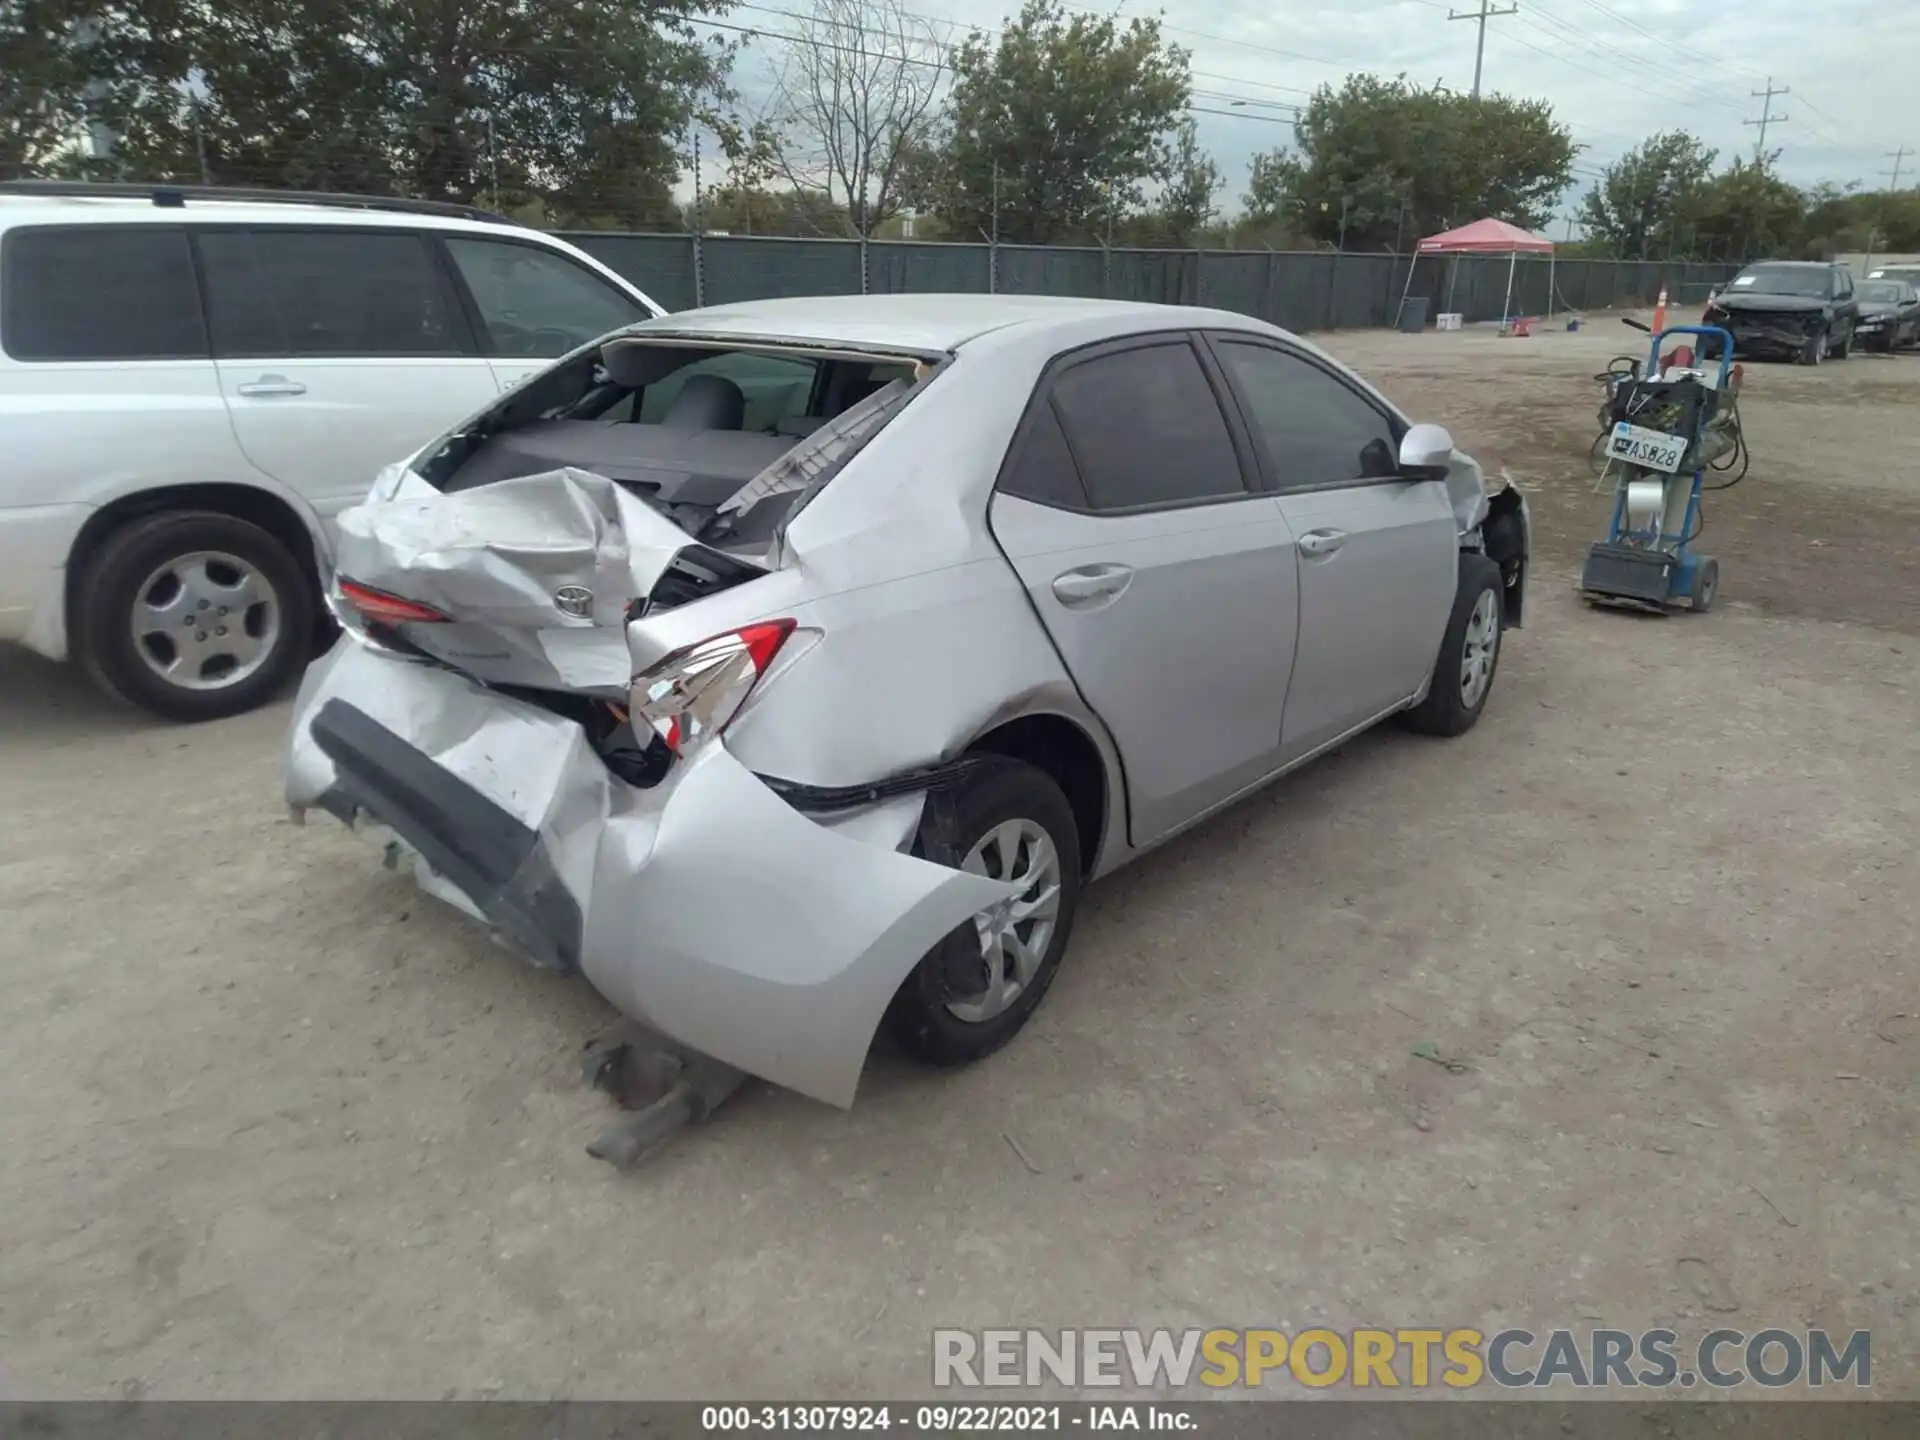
x=1651, y=449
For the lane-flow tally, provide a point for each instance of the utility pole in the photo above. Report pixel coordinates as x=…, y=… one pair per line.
x=1767, y=117
x=1899, y=158
x=699, y=215
x=1485, y=13
x=199, y=139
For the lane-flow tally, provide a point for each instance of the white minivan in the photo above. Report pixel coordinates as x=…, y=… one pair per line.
x=194, y=382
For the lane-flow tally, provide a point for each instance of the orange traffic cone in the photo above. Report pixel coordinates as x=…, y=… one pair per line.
x=1660, y=312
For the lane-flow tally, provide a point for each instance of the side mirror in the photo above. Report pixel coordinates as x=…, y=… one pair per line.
x=1426, y=450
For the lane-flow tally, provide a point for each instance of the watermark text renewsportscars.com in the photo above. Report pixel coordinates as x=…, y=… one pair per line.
x=1771, y=1358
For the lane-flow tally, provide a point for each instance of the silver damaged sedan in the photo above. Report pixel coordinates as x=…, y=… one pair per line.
x=787, y=668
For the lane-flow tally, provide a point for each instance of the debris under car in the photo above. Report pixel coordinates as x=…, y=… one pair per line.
x=687, y=669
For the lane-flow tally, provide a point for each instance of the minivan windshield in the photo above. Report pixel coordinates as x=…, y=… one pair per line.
x=1813, y=284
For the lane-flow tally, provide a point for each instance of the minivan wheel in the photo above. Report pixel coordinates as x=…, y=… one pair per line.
x=972, y=992
x=1815, y=350
x=1469, y=653
x=194, y=615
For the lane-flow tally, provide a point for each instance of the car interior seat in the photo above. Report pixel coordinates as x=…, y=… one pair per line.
x=706, y=402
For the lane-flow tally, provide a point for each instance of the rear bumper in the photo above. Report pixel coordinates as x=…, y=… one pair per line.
x=706, y=907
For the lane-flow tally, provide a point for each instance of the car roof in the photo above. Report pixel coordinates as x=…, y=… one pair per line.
x=930, y=322
x=1796, y=265
x=132, y=210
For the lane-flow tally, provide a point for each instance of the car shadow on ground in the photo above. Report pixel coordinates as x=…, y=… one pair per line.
x=40, y=700
x=44, y=701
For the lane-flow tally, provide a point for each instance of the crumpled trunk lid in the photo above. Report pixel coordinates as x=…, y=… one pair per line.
x=538, y=574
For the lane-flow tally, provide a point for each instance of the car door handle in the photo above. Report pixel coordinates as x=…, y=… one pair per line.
x=270, y=385
x=1091, y=584
x=1322, y=542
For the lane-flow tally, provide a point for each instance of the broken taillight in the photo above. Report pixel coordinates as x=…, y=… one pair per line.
x=384, y=609
x=693, y=693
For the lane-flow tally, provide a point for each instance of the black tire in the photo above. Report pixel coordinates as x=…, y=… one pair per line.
x=110, y=585
x=1815, y=349
x=1445, y=711
x=1597, y=457
x=1845, y=347
x=1706, y=586
x=919, y=1019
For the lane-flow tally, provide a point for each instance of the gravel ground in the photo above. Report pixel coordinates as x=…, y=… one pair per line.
x=273, y=1124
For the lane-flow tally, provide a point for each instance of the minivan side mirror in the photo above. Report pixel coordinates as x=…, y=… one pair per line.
x=1426, y=450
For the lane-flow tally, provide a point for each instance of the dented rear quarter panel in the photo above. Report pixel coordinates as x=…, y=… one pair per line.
x=917, y=637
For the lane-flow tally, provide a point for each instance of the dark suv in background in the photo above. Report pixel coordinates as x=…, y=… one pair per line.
x=1801, y=310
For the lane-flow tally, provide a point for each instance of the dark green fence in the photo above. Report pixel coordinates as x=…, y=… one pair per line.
x=1315, y=290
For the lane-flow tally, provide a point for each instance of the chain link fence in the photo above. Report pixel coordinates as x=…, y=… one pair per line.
x=1317, y=290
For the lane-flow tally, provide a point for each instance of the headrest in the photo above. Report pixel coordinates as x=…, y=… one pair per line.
x=706, y=402
x=634, y=364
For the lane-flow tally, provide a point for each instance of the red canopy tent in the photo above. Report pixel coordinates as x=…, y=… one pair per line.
x=1487, y=237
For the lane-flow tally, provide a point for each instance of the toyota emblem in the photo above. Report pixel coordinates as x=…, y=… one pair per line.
x=574, y=600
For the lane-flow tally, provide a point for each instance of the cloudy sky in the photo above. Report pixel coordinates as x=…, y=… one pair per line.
x=1614, y=70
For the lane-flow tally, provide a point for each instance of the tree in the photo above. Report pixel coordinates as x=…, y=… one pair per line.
x=1747, y=211
x=1056, y=119
x=855, y=98
x=42, y=102
x=1396, y=161
x=1645, y=205
x=580, y=111
x=1187, y=201
x=67, y=67
x=746, y=210
x=1271, y=182
x=1847, y=220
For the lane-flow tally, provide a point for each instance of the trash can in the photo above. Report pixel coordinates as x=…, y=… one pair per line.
x=1413, y=315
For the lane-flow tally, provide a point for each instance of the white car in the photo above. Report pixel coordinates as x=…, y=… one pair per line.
x=194, y=382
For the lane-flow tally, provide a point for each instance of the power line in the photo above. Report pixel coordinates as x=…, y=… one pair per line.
x=1767, y=117
x=1482, y=15
x=1236, y=43
x=1661, y=71
x=1240, y=115
x=1239, y=101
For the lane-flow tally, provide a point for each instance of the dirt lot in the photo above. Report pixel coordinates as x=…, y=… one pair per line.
x=272, y=1124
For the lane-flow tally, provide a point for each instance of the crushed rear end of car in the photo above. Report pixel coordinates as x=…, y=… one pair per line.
x=529, y=708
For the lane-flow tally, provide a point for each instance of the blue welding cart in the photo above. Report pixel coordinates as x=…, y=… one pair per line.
x=1669, y=428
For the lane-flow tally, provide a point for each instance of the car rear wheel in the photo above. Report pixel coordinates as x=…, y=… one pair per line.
x=1469, y=653
x=971, y=993
x=194, y=615
x=1844, y=348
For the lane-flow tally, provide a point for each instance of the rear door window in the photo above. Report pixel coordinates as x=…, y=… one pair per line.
x=99, y=293
x=1146, y=429
x=537, y=304
x=1043, y=468
x=297, y=294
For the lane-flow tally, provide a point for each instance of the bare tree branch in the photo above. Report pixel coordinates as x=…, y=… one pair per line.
x=855, y=95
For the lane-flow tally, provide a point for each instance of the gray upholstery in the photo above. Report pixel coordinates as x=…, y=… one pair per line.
x=680, y=467
x=634, y=365
x=706, y=402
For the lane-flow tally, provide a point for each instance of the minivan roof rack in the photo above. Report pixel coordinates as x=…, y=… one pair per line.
x=175, y=196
